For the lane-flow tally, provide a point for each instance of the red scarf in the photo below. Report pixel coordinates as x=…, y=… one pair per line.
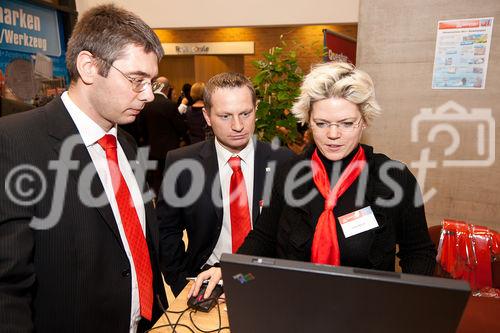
x=325, y=246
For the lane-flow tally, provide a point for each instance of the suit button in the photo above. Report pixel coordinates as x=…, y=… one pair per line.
x=126, y=273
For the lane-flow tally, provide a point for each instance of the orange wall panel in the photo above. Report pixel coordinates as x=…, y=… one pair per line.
x=309, y=38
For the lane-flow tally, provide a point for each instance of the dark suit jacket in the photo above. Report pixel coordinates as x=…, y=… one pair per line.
x=163, y=125
x=74, y=276
x=203, y=219
x=287, y=230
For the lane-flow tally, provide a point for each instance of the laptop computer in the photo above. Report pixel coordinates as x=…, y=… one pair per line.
x=274, y=295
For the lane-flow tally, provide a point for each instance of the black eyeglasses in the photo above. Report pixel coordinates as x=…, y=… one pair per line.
x=138, y=85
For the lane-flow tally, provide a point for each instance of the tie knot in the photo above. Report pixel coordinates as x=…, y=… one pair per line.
x=108, y=141
x=234, y=163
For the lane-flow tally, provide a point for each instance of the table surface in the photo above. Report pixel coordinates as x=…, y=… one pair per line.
x=480, y=315
x=206, y=321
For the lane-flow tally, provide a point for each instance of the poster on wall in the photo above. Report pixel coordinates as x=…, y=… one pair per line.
x=32, y=52
x=462, y=52
x=28, y=28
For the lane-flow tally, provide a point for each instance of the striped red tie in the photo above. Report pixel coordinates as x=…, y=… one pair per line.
x=240, y=213
x=132, y=227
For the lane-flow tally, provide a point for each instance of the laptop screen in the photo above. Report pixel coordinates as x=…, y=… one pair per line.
x=274, y=295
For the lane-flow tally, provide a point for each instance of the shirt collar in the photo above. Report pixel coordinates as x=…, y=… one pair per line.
x=161, y=93
x=223, y=154
x=89, y=130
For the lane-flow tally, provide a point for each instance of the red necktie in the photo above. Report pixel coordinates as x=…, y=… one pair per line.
x=325, y=246
x=240, y=213
x=132, y=227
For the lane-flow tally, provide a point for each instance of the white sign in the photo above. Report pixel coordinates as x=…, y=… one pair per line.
x=208, y=48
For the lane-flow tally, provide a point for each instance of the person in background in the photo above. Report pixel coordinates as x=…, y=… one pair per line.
x=233, y=165
x=197, y=126
x=342, y=181
x=171, y=93
x=78, y=245
x=184, y=99
x=163, y=130
x=9, y=103
x=11, y=106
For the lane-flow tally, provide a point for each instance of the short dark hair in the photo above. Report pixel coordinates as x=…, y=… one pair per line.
x=105, y=31
x=186, y=89
x=226, y=80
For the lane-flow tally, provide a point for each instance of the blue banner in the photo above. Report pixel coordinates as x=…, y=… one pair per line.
x=28, y=28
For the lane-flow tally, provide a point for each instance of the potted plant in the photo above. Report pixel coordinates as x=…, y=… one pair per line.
x=277, y=84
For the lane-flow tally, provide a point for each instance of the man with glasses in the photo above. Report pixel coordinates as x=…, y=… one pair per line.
x=78, y=244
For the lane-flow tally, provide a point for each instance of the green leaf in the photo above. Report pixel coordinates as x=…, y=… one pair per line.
x=283, y=96
x=260, y=77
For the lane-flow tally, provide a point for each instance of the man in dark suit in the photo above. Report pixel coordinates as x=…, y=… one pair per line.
x=163, y=130
x=215, y=189
x=78, y=244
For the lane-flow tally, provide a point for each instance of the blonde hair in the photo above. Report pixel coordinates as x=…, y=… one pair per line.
x=197, y=90
x=339, y=80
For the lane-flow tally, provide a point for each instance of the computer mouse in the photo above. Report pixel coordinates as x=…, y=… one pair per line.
x=205, y=305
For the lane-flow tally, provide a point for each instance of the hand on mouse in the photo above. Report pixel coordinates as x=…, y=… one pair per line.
x=213, y=275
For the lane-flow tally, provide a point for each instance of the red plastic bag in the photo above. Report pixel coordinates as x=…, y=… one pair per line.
x=466, y=251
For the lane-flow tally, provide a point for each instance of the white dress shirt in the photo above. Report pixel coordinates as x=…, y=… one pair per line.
x=182, y=108
x=247, y=156
x=91, y=133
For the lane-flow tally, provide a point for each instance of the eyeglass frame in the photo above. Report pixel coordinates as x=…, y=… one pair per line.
x=135, y=82
x=355, y=125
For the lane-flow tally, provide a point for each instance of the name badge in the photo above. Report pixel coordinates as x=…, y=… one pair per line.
x=357, y=222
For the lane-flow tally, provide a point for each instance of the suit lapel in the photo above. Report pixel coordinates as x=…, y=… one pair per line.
x=262, y=155
x=208, y=156
x=60, y=127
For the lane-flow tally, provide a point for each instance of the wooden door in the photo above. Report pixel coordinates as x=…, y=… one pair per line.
x=179, y=70
x=206, y=66
x=191, y=69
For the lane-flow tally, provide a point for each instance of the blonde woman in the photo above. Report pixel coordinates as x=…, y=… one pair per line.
x=197, y=126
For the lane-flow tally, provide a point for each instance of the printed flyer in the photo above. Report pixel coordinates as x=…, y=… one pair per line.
x=462, y=51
